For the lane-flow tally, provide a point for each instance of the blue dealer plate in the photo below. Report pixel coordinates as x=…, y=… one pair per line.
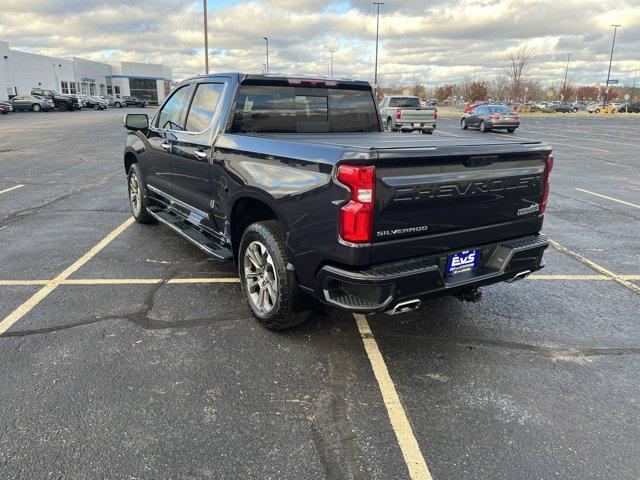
x=462, y=262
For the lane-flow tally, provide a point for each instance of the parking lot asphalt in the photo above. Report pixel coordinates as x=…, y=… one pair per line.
x=126, y=353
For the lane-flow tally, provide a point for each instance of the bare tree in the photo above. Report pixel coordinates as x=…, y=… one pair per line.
x=417, y=89
x=520, y=66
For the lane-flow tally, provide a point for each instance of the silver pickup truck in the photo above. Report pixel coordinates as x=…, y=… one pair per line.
x=400, y=112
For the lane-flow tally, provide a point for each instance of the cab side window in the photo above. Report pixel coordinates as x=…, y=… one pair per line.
x=169, y=117
x=203, y=106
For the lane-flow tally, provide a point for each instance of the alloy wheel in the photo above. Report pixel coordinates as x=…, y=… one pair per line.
x=260, y=278
x=134, y=195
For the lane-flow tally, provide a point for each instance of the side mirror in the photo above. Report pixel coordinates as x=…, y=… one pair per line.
x=136, y=121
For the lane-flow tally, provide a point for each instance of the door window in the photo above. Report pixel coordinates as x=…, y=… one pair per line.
x=169, y=116
x=203, y=106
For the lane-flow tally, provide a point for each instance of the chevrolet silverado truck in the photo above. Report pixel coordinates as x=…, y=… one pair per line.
x=296, y=181
x=403, y=113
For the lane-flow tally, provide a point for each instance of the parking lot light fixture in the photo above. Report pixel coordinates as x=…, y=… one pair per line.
x=266, y=65
x=375, y=75
x=606, y=86
x=566, y=72
x=206, y=38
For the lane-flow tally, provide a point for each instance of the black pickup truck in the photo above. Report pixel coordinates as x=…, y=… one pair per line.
x=295, y=180
x=60, y=101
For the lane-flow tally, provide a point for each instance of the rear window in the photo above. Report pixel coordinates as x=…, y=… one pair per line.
x=500, y=109
x=280, y=109
x=404, y=102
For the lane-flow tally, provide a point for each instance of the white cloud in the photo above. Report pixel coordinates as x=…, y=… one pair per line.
x=436, y=41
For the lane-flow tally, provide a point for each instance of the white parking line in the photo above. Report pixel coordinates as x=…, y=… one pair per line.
x=595, y=266
x=608, y=198
x=413, y=457
x=37, y=297
x=11, y=188
x=552, y=143
x=615, y=142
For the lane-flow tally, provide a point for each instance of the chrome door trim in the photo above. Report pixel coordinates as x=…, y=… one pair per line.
x=175, y=201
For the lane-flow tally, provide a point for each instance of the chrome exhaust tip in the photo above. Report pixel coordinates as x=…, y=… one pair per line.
x=406, y=306
x=519, y=276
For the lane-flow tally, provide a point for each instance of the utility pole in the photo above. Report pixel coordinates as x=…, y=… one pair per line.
x=266, y=39
x=613, y=44
x=206, y=39
x=331, y=69
x=375, y=75
x=566, y=72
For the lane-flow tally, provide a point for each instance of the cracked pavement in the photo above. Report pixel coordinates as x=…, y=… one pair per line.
x=168, y=380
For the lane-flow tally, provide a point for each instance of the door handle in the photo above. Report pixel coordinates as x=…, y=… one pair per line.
x=166, y=145
x=200, y=154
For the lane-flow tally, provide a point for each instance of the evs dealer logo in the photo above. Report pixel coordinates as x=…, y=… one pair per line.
x=463, y=260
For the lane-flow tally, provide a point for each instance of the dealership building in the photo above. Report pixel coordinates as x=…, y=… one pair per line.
x=21, y=71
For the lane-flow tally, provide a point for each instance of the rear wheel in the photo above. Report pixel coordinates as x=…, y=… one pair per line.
x=511, y=130
x=427, y=132
x=138, y=198
x=62, y=107
x=597, y=110
x=117, y=105
x=36, y=107
x=262, y=261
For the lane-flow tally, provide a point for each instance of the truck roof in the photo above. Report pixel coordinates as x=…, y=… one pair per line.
x=303, y=80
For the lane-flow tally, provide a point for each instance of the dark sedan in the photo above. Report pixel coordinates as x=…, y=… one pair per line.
x=562, y=107
x=491, y=117
x=135, y=102
x=630, y=108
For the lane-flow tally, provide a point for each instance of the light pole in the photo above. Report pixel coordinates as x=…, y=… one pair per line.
x=331, y=69
x=613, y=44
x=266, y=39
x=566, y=72
x=375, y=75
x=206, y=39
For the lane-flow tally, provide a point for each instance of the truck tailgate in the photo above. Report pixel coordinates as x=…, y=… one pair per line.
x=438, y=203
x=417, y=114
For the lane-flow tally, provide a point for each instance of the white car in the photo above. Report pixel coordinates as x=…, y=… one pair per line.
x=597, y=107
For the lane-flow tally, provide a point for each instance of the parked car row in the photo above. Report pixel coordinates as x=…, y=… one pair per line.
x=42, y=100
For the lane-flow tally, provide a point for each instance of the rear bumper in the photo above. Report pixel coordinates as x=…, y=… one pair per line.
x=384, y=286
x=409, y=126
x=504, y=125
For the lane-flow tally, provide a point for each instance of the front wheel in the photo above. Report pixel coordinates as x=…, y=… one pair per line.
x=62, y=107
x=427, y=132
x=262, y=261
x=117, y=105
x=483, y=126
x=463, y=124
x=597, y=110
x=36, y=107
x=138, y=198
x=511, y=130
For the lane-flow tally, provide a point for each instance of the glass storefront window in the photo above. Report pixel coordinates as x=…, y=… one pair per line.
x=145, y=89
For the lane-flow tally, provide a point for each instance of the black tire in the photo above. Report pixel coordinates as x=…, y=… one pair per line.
x=36, y=107
x=62, y=107
x=597, y=110
x=427, y=132
x=463, y=124
x=139, y=209
x=117, y=105
x=483, y=127
x=282, y=312
x=511, y=130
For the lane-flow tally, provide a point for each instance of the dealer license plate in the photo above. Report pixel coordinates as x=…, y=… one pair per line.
x=462, y=262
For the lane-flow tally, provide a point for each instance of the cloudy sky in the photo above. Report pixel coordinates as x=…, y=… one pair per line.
x=434, y=41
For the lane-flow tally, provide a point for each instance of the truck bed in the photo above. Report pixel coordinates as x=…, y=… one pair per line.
x=387, y=140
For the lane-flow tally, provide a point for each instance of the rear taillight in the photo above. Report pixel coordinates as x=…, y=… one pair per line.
x=495, y=116
x=435, y=115
x=516, y=116
x=398, y=112
x=356, y=217
x=545, y=191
